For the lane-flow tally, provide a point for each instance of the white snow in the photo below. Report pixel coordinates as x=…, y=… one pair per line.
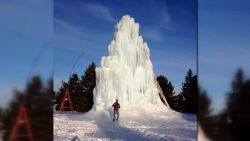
x=134, y=125
x=127, y=73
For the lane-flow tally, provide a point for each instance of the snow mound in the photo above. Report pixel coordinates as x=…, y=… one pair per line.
x=127, y=73
x=133, y=125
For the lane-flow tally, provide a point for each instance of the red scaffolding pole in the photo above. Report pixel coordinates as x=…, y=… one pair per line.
x=21, y=118
x=66, y=98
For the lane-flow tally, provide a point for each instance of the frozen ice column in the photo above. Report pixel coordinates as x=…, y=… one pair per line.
x=127, y=73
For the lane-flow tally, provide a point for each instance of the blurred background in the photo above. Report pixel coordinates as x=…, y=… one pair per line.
x=224, y=70
x=26, y=55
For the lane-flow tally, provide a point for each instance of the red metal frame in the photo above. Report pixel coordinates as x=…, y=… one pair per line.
x=64, y=100
x=22, y=116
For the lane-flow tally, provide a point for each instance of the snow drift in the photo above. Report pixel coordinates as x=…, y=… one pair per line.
x=134, y=125
x=127, y=73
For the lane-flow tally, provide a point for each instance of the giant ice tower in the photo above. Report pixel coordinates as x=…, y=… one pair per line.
x=127, y=73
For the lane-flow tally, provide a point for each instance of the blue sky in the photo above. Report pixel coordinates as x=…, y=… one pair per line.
x=169, y=27
x=26, y=31
x=30, y=29
x=224, y=33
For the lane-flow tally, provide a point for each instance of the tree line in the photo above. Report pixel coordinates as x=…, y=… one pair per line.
x=232, y=123
x=186, y=100
x=81, y=92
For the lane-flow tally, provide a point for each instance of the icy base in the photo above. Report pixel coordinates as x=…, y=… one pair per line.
x=133, y=125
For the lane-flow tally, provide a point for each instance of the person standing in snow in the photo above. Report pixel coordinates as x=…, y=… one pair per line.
x=116, y=106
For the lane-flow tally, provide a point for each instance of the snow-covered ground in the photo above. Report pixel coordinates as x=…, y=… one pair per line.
x=133, y=125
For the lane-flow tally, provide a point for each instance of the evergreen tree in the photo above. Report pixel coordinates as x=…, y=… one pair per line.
x=238, y=81
x=232, y=123
x=37, y=99
x=76, y=95
x=204, y=106
x=80, y=90
x=233, y=96
x=177, y=103
x=167, y=89
x=189, y=94
x=204, y=111
x=75, y=92
x=238, y=107
x=60, y=95
x=88, y=83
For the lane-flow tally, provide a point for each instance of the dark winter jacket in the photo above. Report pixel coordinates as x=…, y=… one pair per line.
x=116, y=106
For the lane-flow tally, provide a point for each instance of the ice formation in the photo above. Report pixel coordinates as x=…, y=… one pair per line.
x=127, y=73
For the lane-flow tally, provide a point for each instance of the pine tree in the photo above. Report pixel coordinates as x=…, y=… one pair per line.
x=238, y=81
x=167, y=89
x=204, y=106
x=60, y=95
x=88, y=83
x=189, y=94
x=178, y=103
x=204, y=111
x=232, y=123
x=37, y=99
x=81, y=91
x=238, y=107
x=75, y=93
x=233, y=96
